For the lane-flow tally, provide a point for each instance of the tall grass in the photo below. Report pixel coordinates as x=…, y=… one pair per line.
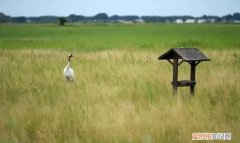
x=117, y=96
x=121, y=92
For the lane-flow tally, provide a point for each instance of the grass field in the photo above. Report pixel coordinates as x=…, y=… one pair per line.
x=121, y=92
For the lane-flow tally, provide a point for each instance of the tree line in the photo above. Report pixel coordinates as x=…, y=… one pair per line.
x=104, y=18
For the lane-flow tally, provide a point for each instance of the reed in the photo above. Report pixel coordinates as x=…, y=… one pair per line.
x=117, y=96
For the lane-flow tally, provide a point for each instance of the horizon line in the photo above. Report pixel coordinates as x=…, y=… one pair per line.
x=110, y=15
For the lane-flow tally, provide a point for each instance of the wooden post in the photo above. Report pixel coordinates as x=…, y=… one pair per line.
x=192, y=76
x=175, y=76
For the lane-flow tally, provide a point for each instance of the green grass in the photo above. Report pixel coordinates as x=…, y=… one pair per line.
x=102, y=37
x=121, y=92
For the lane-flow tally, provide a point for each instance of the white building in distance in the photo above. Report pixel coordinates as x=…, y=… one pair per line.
x=201, y=21
x=190, y=21
x=179, y=21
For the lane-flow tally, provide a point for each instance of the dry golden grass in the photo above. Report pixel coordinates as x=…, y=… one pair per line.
x=117, y=96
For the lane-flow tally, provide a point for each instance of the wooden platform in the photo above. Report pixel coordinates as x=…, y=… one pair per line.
x=185, y=83
x=192, y=56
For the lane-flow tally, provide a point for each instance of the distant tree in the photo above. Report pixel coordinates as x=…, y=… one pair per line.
x=101, y=17
x=236, y=16
x=44, y=19
x=75, y=18
x=20, y=19
x=130, y=18
x=228, y=17
x=4, y=18
x=62, y=21
x=155, y=19
x=72, y=18
x=204, y=17
x=115, y=17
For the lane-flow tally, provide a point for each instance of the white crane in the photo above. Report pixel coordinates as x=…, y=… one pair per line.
x=68, y=71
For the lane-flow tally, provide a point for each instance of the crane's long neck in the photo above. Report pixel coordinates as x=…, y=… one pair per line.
x=69, y=62
x=68, y=66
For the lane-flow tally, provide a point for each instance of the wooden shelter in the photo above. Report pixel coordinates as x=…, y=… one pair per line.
x=192, y=56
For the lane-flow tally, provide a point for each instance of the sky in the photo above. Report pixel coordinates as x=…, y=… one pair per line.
x=119, y=7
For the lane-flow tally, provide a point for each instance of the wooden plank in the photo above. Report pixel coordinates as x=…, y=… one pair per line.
x=170, y=61
x=180, y=62
x=186, y=83
x=192, y=76
x=187, y=54
x=175, y=76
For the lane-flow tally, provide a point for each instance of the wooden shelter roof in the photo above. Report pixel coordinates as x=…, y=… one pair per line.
x=186, y=54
